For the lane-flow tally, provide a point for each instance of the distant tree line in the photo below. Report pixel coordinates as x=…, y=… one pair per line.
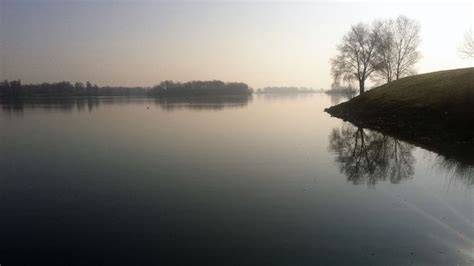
x=285, y=90
x=347, y=90
x=15, y=88
x=199, y=88
x=64, y=89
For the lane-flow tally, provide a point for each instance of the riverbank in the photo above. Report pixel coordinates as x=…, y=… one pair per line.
x=433, y=110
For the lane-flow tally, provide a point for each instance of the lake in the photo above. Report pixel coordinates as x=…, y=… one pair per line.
x=262, y=180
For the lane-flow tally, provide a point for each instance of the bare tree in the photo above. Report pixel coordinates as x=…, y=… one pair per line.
x=467, y=48
x=385, y=56
x=397, y=49
x=406, y=41
x=356, y=54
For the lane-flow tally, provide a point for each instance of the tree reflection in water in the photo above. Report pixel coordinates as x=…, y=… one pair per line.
x=458, y=170
x=79, y=104
x=367, y=157
x=203, y=103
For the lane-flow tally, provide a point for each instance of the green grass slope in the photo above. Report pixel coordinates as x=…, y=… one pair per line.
x=434, y=109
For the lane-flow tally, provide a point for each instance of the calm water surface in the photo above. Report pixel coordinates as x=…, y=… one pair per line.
x=267, y=180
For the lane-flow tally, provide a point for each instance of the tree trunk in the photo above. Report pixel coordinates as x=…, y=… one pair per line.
x=361, y=86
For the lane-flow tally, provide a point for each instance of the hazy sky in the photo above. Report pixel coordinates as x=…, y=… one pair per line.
x=262, y=44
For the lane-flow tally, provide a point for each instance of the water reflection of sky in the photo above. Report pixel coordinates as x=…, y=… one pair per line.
x=258, y=180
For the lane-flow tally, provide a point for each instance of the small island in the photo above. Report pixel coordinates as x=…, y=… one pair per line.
x=199, y=88
x=434, y=110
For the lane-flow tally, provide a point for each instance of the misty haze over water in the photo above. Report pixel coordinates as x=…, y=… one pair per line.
x=263, y=179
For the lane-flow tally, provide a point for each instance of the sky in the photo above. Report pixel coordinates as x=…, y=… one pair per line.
x=140, y=43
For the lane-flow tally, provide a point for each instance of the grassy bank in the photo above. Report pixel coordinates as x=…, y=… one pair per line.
x=434, y=110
